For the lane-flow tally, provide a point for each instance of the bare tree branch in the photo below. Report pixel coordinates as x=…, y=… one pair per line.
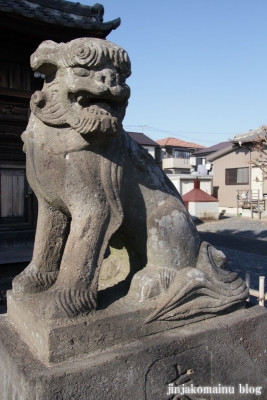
x=259, y=145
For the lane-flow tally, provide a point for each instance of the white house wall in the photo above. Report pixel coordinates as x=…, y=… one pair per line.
x=206, y=185
x=186, y=185
x=204, y=210
x=150, y=149
x=185, y=182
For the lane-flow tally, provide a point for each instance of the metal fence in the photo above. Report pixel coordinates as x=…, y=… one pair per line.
x=260, y=294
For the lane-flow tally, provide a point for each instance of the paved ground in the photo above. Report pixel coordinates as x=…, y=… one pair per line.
x=244, y=242
x=241, y=226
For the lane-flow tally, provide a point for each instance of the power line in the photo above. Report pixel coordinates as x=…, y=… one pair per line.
x=151, y=128
x=179, y=133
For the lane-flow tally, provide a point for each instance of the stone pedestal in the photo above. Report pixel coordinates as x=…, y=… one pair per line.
x=223, y=353
x=54, y=341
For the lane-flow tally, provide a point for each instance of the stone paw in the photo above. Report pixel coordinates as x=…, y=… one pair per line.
x=150, y=282
x=30, y=281
x=60, y=302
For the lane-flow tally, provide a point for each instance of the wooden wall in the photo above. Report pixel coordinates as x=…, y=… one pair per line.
x=227, y=194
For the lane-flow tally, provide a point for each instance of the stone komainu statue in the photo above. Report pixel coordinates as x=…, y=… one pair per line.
x=94, y=182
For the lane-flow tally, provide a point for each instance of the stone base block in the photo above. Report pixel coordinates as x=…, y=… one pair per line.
x=55, y=341
x=219, y=359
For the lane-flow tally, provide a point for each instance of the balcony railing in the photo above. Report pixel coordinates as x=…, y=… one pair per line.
x=175, y=162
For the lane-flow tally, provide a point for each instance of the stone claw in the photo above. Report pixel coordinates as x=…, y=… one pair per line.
x=66, y=302
x=33, y=282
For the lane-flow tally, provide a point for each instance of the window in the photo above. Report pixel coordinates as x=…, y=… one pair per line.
x=18, y=76
x=180, y=154
x=168, y=153
x=237, y=176
x=200, y=161
x=16, y=197
x=12, y=192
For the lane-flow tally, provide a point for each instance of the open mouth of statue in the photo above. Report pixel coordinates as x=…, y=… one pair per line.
x=98, y=106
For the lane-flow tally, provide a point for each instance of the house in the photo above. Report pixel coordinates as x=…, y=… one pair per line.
x=174, y=154
x=149, y=145
x=237, y=183
x=198, y=160
x=23, y=26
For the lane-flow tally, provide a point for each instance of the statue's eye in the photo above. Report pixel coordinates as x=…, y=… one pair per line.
x=47, y=72
x=49, y=78
x=81, y=71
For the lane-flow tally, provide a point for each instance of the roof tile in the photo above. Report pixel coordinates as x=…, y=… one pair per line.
x=250, y=135
x=142, y=139
x=198, y=196
x=179, y=143
x=213, y=148
x=86, y=17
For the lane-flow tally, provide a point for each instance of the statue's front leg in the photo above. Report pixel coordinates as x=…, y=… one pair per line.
x=51, y=235
x=75, y=291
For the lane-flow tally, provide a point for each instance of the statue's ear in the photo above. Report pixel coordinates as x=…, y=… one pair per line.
x=46, y=58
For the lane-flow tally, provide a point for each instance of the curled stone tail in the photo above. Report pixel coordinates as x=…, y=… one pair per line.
x=210, y=288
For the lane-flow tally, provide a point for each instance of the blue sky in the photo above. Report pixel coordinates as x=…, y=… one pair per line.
x=199, y=67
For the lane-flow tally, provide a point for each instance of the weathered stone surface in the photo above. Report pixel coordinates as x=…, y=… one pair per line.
x=226, y=350
x=95, y=184
x=54, y=341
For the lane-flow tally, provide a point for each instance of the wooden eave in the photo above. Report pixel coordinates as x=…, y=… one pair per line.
x=45, y=31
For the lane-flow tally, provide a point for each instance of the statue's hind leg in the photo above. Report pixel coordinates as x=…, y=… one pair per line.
x=173, y=240
x=172, y=245
x=51, y=235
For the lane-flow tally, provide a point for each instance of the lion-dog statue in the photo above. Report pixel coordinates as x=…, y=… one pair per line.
x=94, y=182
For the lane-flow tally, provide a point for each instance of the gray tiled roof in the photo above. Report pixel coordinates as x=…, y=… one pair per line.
x=250, y=135
x=213, y=148
x=60, y=12
x=219, y=153
x=142, y=139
